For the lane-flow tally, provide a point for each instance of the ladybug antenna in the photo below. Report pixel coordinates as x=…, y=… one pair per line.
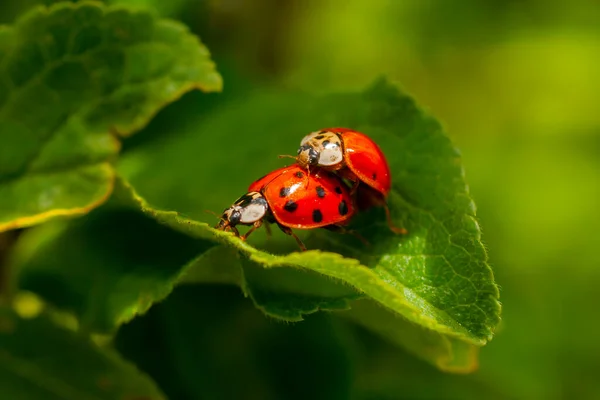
x=286, y=156
x=213, y=213
x=393, y=227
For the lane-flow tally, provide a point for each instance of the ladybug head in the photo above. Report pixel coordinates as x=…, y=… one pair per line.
x=307, y=155
x=246, y=210
x=321, y=148
x=231, y=217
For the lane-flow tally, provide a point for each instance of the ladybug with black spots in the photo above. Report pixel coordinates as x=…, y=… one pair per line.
x=354, y=156
x=292, y=199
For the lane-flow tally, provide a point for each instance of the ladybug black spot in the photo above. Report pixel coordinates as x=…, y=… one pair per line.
x=317, y=216
x=325, y=143
x=320, y=192
x=338, y=190
x=299, y=174
x=343, y=208
x=319, y=137
x=290, y=206
x=374, y=176
x=284, y=192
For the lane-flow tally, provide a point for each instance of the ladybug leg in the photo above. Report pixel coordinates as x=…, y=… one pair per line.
x=288, y=231
x=255, y=226
x=354, y=187
x=234, y=230
x=351, y=176
x=343, y=230
x=268, y=229
x=393, y=228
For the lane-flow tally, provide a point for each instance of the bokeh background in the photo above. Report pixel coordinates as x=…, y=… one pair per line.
x=517, y=86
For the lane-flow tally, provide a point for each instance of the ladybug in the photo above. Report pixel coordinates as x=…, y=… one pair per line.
x=292, y=199
x=354, y=156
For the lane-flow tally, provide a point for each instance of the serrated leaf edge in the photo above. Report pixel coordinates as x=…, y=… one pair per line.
x=135, y=126
x=295, y=260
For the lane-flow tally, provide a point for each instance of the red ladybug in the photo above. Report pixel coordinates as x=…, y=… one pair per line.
x=292, y=199
x=354, y=156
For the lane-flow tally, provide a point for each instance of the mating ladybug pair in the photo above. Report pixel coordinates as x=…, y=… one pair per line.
x=312, y=193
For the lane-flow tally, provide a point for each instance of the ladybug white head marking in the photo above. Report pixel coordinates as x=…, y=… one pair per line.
x=254, y=211
x=246, y=210
x=330, y=154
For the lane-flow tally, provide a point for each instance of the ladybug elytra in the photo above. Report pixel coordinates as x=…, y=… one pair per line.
x=292, y=199
x=354, y=156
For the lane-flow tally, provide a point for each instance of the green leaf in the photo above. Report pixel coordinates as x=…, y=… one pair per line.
x=289, y=294
x=437, y=276
x=74, y=77
x=283, y=293
x=101, y=267
x=435, y=279
x=445, y=352
x=40, y=360
x=201, y=331
x=166, y=8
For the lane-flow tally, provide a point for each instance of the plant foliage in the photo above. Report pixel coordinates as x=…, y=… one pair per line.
x=75, y=79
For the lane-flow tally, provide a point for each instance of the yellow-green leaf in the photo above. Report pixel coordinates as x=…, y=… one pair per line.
x=73, y=78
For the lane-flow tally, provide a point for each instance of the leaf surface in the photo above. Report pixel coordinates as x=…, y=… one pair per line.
x=209, y=342
x=73, y=78
x=445, y=352
x=100, y=268
x=283, y=293
x=432, y=289
x=289, y=294
x=437, y=276
x=40, y=360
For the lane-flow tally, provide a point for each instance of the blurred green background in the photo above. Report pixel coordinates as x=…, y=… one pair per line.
x=517, y=86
